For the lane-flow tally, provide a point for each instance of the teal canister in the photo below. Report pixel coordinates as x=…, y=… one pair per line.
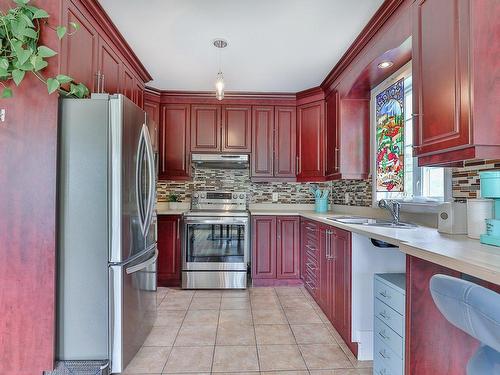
x=321, y=205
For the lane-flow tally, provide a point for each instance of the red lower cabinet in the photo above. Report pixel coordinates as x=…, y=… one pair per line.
x=169, y=250
x=263, y=247
x=275, y=250
x=327, y=273
x=341, y=307
x=310, y=256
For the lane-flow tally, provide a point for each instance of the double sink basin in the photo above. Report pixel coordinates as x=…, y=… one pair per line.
x=371, y=222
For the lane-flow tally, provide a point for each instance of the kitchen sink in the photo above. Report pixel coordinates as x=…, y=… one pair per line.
x=353, y=220
x=371, y=222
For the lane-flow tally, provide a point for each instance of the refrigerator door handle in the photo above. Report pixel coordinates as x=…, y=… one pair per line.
x=145, y=213
x=152, y=177
x=142, y=265
x=138, y=184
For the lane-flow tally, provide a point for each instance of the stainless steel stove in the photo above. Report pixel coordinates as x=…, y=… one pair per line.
x=216, y=241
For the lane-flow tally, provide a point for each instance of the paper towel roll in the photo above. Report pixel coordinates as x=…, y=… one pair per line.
x=478, y=210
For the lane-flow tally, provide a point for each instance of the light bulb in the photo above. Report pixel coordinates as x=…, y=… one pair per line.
x=385, y=64
x=219, y=86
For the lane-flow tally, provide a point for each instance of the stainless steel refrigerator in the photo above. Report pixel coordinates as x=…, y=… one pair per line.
x=106, y=231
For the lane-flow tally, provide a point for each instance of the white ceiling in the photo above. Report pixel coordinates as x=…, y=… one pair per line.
x=274, y=45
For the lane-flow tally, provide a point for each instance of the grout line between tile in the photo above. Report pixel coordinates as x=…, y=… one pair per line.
x=177, y=335
x=216, y=334
x=254, y=334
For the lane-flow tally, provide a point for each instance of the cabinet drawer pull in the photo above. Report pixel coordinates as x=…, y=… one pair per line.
x=384, y=315
x=382, y=372
x=383, y=354
x=310, y=247
x=311, y=267
x=384, y=294
x=382, y=334
x=310, y=286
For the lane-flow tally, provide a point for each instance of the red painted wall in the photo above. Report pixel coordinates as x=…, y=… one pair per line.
x=28, y=143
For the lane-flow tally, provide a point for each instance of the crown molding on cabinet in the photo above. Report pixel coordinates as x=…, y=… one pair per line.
x=105, y=22
x=208, y=97
x=369, y=31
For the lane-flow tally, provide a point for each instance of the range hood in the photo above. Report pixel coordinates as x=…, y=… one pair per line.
x=221, y=161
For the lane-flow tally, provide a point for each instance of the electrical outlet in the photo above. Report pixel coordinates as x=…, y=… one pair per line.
x=275, y=197
x=346, y=198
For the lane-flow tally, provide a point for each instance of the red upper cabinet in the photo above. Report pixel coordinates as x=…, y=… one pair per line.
x=273, y=143
x=347, y=140
x=169, y=250
x=108, y=68
x=128, y=84
x=79, y=51
x=205, y=128
x=139, y=94
x=332, y=148
x=455, y=98
x=287, y=247
x=236, y=129
x=285, y=142
x=152, y=109
x=174, y=142
x=263, y=142
x=264, y=247
x=310, y=141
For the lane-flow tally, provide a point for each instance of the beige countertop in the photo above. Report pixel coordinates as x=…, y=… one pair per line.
x=453, y=251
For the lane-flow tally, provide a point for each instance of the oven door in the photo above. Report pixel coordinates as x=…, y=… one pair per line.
x=215, y=243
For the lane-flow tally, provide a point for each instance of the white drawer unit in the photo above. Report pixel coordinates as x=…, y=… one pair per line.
x=389, y=323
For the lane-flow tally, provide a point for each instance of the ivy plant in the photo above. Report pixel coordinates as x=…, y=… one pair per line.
x=21, y=53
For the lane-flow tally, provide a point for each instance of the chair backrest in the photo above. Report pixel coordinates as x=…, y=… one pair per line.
x=476, y=311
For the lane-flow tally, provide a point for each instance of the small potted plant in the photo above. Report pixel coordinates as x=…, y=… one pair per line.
x=173, y=202
x=21, y=51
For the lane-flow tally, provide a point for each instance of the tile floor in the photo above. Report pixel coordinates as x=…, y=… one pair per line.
x=256, y=331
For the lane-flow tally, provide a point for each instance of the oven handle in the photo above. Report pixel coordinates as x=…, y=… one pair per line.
x=242, y=221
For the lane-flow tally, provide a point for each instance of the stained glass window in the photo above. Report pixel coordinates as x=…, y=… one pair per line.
x=390, y=138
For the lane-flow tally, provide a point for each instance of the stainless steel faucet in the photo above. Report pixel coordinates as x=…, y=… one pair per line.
x=394, y=207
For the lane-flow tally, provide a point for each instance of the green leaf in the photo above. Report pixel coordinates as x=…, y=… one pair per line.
x=44, y=51
x=30, y=33
x=52, y=85
x=21, y=2
x=3, y=72
x=79, y=90
x=23, y=55
x=26, y=66
x=39, y=13
x=38, y=63
x=61, y=31
x=75, y=26
x=6, y=93
x=17, y=76
x=27, y=19
x=63, y=79
x=4, y=63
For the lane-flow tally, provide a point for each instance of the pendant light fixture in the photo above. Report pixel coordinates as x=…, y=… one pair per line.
x=219, y=82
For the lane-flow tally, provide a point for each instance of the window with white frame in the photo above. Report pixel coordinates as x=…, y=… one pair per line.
x=396, y=174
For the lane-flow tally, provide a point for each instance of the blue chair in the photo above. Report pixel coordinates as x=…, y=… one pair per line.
x=476, y=311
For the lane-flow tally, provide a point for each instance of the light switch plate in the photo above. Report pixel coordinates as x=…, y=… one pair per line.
x=275, y=197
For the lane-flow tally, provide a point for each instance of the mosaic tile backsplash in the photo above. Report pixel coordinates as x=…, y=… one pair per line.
x=261, y=192
x=465, y=180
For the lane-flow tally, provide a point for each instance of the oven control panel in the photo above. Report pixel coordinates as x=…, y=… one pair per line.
x=219, y=200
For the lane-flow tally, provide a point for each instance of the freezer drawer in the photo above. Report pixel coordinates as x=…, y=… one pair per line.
x=132, y=308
